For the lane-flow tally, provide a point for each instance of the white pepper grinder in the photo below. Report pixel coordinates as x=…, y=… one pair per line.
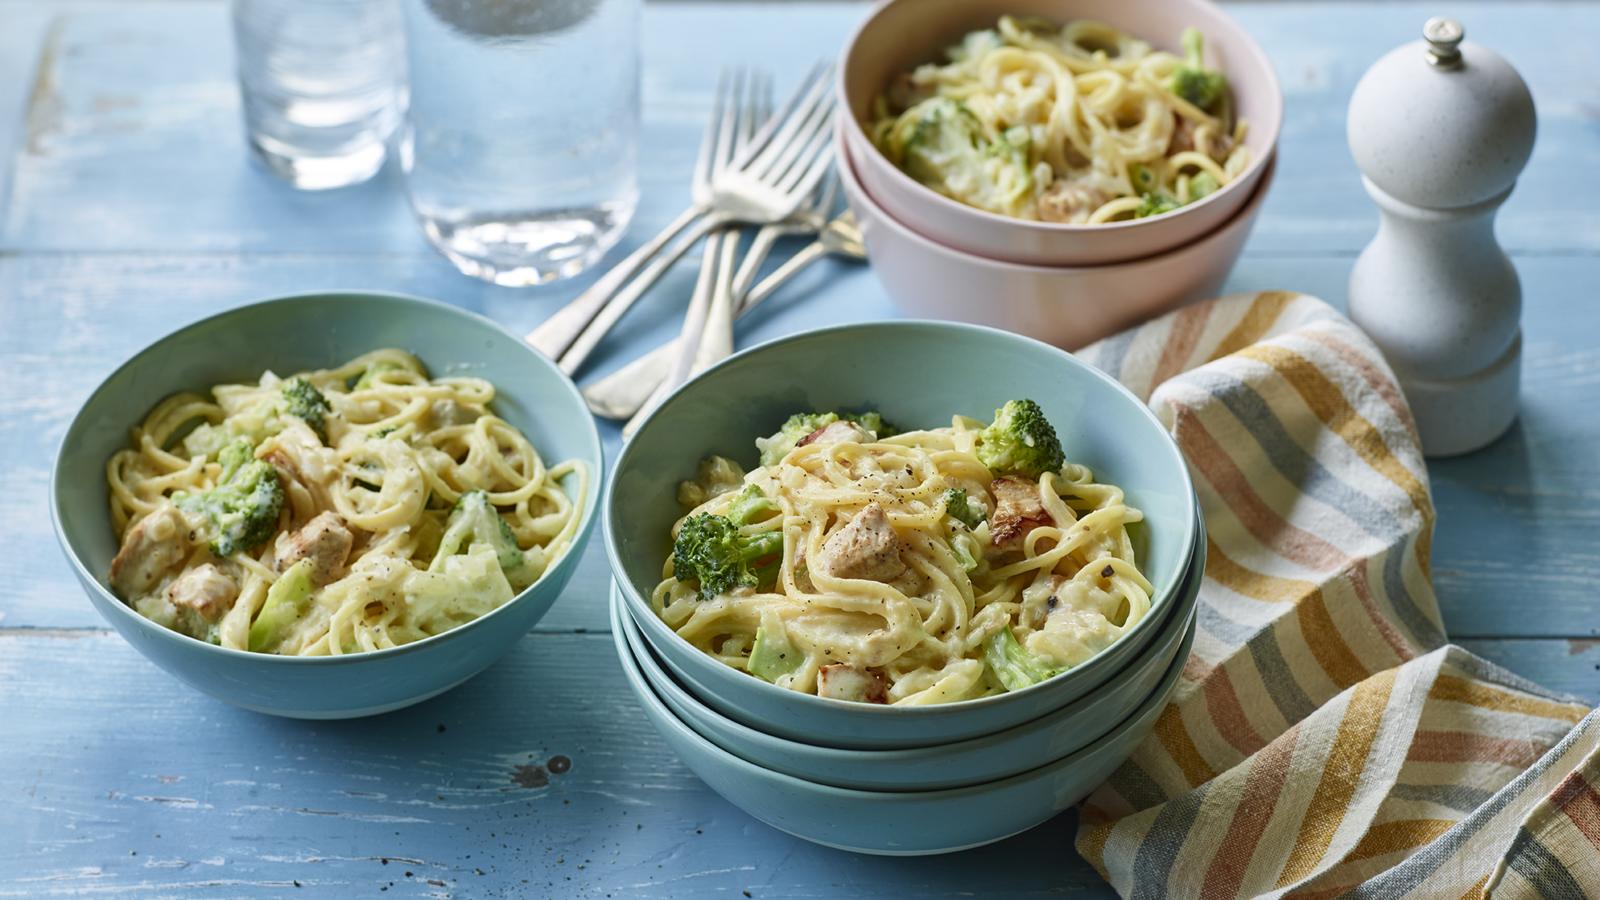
x=1440, y=129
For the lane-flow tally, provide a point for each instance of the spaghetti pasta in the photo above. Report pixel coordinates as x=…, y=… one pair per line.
x=1077, y=123
x=917, y=568
x=342, y=510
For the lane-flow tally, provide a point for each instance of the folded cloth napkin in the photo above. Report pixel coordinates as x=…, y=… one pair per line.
x=1325, y=739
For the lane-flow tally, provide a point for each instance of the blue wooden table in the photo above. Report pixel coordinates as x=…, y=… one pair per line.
x=127, y=207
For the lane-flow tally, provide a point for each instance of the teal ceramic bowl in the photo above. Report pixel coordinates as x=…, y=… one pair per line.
x=918, y=374
x=996, y=756
x=903, y=823
x=303, y=332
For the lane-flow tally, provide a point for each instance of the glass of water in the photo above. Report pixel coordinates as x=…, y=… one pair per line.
x=322, y=84
x=521, y=144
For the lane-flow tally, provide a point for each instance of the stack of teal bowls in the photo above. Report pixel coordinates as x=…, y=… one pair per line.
x=893, y=779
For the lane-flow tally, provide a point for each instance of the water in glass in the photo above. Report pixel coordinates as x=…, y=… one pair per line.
x=322, y=84
x=521, y=146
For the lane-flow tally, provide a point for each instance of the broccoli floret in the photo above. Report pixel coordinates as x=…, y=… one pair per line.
x=234, y=455
x=967, y=551
x=941, y=143
x=775, y=448
x=872, y=422
x=286, y=602
x=368, y=378
x=241, y=512
x=716, y=476
x=1143, y=177
x=307, y=403
x=712, y=551
x=1012, y=147
x=1012, y=663
x=253, y=424
x=773, y=655
x=1154, y=203
x=1192, y=80
x=958, y=507
x=751, y=505
x=474, y=520
x=1202, y=185
x=962, y=543
x=945, y=133
x=1020, y=441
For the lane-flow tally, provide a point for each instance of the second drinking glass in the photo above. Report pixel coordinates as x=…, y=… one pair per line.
x=521, y=149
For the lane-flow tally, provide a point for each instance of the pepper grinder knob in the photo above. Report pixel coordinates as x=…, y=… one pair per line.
x=1440, y=129
x=1444, y=41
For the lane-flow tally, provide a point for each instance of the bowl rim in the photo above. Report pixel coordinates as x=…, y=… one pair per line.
x=1193, y=529
x=593, y=499
x=847, y=120
x=623, y=620
x=659, y=711
x=845, y=164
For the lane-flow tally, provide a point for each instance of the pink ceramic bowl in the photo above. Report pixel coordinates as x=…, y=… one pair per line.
x=901, y=34
x=1069, y=306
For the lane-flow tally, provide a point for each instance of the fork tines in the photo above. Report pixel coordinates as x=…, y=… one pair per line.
x=787, y=151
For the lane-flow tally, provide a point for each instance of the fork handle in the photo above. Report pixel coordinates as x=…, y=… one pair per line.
x=692, y=333
x=625, y=391
x=558, y=332
x=780, y=276
x=716, y=343
x=623, y=300
x=761, y=245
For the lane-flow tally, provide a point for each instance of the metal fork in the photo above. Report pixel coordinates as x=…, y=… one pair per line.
x=702, y=343
x=707, y=334
x=782, y=164
x=810, y=219
x=740, y=98
x=624, y=392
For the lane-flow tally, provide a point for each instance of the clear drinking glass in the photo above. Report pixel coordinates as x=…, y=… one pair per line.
x=521, y=144
x=322, y=84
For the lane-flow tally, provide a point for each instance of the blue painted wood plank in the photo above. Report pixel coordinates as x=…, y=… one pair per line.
x=142, y=149
x=1516, y=521
x=189, y=796
x=1569, y=666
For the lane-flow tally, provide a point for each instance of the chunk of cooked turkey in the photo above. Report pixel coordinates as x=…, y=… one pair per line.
x=305, y=467
x=867, y=547
x=1218, y=146
x=205, y=589
x=154, y=546
x=1017, y=511
x=1071, y=200
x=324, y=540
x=844, y=682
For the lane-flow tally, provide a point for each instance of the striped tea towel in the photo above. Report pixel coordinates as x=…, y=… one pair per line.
x=1325, y=739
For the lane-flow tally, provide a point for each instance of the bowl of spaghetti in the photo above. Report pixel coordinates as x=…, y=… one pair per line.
x=1055, y=133
x=328, y=505
x=899, y=534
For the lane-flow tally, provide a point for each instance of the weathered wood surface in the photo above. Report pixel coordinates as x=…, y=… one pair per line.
x=127, y=207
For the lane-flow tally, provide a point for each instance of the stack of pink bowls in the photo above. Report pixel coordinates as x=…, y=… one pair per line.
x=1066, y=284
